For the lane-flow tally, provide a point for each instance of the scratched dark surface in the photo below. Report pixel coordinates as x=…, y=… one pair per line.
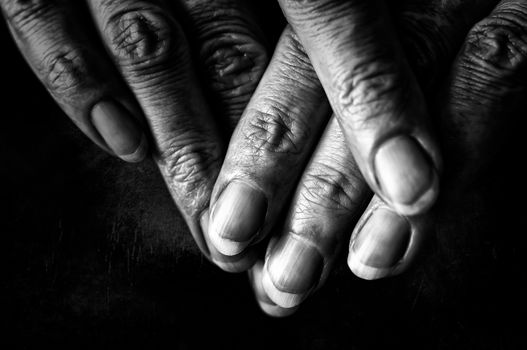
x=94, y=254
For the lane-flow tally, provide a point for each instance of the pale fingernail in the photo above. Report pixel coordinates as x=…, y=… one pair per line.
x=406, y=177
x=237, y=217
x=119, y=130
x=264, y=302
x=292, y=271
x=379, y=245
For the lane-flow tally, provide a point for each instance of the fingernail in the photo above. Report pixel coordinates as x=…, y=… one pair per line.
x=119, y=130
x=265, y=303
x=405, y=175
x=292, y=271
x=237, y=217
x=379, y=245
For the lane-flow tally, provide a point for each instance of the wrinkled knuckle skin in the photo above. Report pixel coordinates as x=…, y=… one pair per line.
x=231, y=52
x=190, y=165
x=274, y=131
x=294, y=63
x=326, y=186
x=499, y=43
x=492, y=62
x=65, y=67
x=23, y=15
x=143, y=38
x=65, y=70
x=367, y=83
x=368, y=92
x=311, y=6
x=234, y=63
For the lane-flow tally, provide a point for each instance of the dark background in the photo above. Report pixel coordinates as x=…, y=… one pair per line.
x=94, y=254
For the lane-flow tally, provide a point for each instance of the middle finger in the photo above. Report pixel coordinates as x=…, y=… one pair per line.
x=374, y=95
x=268, y=150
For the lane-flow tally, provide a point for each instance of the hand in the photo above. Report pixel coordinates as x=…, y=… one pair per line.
x=484, y=92
x=360, y=63
x=134, y=61
x=282, y=125
x=330, y=193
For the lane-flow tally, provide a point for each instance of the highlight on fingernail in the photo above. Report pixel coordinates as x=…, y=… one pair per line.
x=119, y=131
x=379, y=245
x=292, y=271
x=237, y=217
x=407, y=178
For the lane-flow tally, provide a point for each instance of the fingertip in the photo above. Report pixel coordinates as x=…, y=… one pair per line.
x=226, y=246
x=119, y=131
x=380, y=245
x=237, y=217
x=229, y=263
x=139, y=154
x=233, y=266
x=423, y=203
x=264, y=302
x=277, y=296
x=364, y=271
x=273, y=310
x=406, y=175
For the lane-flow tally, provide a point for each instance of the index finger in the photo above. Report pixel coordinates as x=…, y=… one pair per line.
x=374, y=95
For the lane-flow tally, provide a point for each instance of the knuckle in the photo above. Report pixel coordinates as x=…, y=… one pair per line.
x=331, y=188
x=234, y=63
x=231, y=53
x=189, y=167
x=369, y=92
x=499, y=42
x=142, y=38
x=64, y=70
x=23, y=13
x=367, y=83
x=492, y=62
x=275, y=130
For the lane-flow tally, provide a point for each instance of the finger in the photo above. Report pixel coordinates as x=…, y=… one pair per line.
x=268, y=150
x=485, y=91
x=74, y=68
x=434, y=51
x=432, y=32
x=232, y=57
x=385, y=243
x=389, y=239
x=264, y=302
x=232, y=53
x=151, y=52
x=374, y=95
x=328, y=201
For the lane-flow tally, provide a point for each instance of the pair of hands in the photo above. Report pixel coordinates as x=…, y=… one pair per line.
x=288, y=171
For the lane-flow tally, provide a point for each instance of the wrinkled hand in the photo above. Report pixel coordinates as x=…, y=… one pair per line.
x=278, y=132
x=138, y=63
x=133, y=73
